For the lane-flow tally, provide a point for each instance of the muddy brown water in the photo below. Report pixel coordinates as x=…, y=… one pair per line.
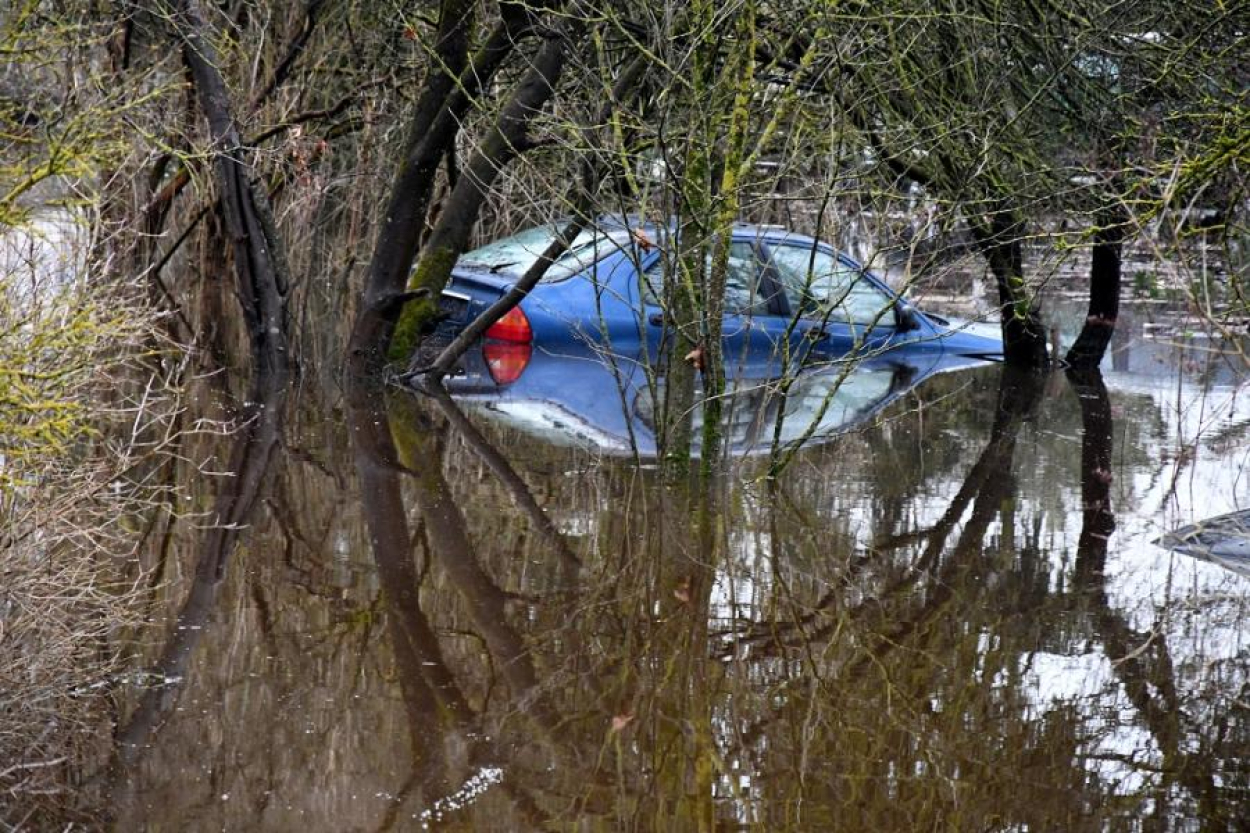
x=953, y=618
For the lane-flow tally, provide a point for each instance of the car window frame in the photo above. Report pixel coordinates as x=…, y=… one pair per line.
x=809, y=244
x=770, y=293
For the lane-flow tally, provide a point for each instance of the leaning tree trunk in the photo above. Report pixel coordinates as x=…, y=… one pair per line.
x=506, y=140
x=259, y=263
x=451, y=89
x=260, y=270
x=593, y=169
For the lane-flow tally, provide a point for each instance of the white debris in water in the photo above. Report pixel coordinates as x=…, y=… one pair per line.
x=478, y=783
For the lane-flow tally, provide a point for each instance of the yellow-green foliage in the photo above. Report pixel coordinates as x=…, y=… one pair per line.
x=68, y=120
x=65, y=124
x=56, y=341
x=42, y=360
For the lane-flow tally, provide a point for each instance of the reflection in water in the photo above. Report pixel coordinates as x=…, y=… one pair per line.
x=250, y=458
x=613, y=405
x=1141, y=659
x=443, y=726
x=949, y=618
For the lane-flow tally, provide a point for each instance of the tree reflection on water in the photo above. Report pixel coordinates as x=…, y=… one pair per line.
x=930, y=623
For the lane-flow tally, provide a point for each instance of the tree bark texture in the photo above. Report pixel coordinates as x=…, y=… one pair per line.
x=259, y=263
x=450, y=90
x=506, y=140
x=1000, y=240
x=593, y=169
x=1104, y=299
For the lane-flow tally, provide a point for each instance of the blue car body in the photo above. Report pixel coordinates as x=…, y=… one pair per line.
x=577, y=362
x=605, y=296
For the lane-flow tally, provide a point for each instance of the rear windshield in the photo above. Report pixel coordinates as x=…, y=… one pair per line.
x=516, y=254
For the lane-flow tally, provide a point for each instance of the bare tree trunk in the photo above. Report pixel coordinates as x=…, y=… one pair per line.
x=449, y=93
x=741, y=86
x=1000, y=240
x=507, y=140
x=259, y=262
x=593, y=169
x=1104, y=296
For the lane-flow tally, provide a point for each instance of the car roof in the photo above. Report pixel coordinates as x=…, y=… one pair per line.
x=741, y=230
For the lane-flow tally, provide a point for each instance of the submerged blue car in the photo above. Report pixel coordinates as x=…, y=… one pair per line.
x=790, y=301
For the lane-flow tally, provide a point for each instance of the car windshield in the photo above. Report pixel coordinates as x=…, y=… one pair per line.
x=516, y=254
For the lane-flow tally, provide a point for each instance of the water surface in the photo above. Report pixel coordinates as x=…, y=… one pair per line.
x=952, y=617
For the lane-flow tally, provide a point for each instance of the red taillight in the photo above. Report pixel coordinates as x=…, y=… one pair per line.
x=513, y=327
x=506, y=361
x=507, y=347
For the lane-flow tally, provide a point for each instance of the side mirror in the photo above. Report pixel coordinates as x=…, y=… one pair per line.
x=905, y=318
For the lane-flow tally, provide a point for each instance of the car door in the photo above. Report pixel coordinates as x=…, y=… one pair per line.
x=835, y=307
x=749, y=298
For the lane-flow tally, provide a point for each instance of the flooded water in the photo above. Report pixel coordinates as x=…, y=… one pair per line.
x=951, y=617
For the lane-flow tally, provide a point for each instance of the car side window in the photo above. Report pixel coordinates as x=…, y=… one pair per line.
x=818, y=284
x=742, y=291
